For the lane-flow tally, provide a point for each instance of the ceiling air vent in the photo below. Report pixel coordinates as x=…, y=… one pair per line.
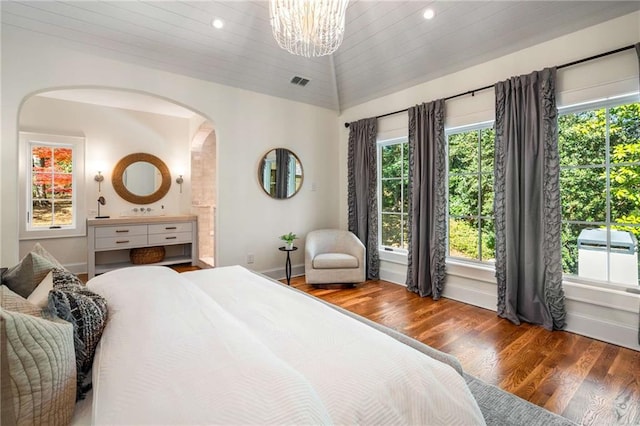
x=299, y=81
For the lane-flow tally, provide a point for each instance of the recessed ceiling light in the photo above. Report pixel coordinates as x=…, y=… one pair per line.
x=217, y=23
x=429, y=14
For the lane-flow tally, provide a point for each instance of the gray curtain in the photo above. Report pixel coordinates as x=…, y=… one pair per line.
x=282, y=172
x=363, y=184
x=527, y=201
x=427, y=200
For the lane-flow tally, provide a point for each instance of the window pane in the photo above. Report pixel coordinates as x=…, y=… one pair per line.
x=463, y=152
x=624, y=138
x=405, y=159
x=391, y=230
x=487, y=141
x=62, y=160
x=391, y=195
x=63, y=213
x=583, y=194
x=488, y=236
x=463, y=195
x=41, y=213
x=625, y=194
x=463, y=238
x=391, y=161
x=581, y=138
x=487, y=195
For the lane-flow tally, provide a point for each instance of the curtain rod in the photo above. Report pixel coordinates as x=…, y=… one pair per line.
x=473, y=92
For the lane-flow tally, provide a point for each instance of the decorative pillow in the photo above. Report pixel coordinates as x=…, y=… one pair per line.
x=87, y=311
x=26, y=275
x=40, y=296
x=15, y=303
x=40, y=251
x=37, y=363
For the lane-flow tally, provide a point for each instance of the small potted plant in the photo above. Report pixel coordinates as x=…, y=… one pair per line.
x=288, y=240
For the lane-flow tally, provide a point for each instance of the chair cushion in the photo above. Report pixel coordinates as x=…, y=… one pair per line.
x=334, y=261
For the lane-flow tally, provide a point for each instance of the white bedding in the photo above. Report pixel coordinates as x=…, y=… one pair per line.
x=226, y=346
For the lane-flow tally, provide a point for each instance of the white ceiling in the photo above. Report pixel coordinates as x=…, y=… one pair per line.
x=388, y=45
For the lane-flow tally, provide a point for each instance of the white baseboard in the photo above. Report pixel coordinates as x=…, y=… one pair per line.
x=600, y=329
x=280, y=274
x=392, y=276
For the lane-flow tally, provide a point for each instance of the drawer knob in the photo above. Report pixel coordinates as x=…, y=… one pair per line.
x=122, y=241
x=119, y=231
x=170, y=238
x=171, y=227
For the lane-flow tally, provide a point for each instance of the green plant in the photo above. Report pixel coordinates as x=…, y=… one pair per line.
x=288, y=238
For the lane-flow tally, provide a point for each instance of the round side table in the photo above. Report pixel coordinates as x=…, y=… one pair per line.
x=287, y=265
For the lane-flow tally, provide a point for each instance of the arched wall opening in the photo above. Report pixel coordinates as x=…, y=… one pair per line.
x=114, y=123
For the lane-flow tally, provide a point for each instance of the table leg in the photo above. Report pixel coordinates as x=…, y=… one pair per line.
x=287, y=269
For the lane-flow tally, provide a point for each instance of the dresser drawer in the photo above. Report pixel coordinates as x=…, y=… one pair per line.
x=120, y=231
x=169, y=228
x=175, y=238
x=120, y=242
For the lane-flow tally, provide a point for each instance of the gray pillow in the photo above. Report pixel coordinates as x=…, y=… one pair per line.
x=26, y=275
x=87, y=311
x=37, y=363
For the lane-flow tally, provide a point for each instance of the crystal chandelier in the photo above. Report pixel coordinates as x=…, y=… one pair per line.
x=308, y=27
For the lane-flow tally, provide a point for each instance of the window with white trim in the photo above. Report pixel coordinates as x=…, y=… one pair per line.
x=393, y=200
x=599, y=146
x=52, y=186
x=471, y=234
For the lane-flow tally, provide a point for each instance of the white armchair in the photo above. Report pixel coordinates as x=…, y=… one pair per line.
x=334, y=256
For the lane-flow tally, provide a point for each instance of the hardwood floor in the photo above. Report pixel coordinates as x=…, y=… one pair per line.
x=586, y=380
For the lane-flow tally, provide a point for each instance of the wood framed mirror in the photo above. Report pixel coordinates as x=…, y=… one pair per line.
x=280, y=173
x=141, y=178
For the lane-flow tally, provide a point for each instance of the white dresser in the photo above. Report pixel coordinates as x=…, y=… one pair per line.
x=109, y=240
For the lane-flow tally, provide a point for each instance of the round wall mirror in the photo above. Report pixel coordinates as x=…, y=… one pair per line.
x=141, y=178
x=280, y=173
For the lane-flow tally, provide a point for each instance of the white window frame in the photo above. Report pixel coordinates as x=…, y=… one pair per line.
x=588, y=106
x=380, y=145
x=78, y=228
x=462, y=129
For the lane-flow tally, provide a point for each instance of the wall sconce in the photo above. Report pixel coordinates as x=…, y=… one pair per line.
x=99, y=178
x=180, y=181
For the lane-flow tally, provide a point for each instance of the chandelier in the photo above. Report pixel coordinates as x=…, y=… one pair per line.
x=308, y=27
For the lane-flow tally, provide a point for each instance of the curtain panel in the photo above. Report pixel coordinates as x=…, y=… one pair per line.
x=427, y=200
x=362, y=190
x=527, y=201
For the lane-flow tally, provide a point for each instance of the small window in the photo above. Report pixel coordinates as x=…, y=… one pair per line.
x=471, y=234
x=52, y=186
x=393, y=204
x=599, y=146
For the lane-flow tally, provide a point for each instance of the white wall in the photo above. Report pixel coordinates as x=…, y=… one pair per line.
x=603, y=314
x=247, y=124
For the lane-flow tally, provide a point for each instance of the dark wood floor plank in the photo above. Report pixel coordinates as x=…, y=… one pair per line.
x=585, y=380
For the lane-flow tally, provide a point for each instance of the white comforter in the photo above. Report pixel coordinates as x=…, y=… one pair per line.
x=226, y=346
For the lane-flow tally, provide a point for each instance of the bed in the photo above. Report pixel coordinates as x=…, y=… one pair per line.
x=228, y=346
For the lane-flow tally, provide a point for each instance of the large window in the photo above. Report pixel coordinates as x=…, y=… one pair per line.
x=53, y=181
x=393, y=172
x=471, y=232
x=599, y=148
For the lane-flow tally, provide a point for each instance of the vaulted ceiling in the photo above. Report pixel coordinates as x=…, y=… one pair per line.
x=388, y=45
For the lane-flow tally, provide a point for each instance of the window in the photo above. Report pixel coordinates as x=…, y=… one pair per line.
x=393, y=169
x=471, y=233
x=599, y=148
x=52, y=183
